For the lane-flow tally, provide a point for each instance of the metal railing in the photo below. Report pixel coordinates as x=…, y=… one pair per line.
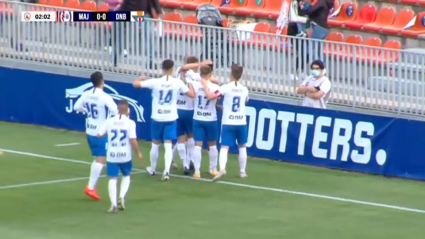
x=362, y=77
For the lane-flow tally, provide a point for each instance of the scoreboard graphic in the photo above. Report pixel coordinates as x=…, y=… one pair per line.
x=74, y=16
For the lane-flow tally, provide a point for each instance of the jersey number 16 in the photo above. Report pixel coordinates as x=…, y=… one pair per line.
x=165, y=97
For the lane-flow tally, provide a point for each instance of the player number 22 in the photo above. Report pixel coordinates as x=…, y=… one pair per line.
x=92, y=111
x=236, y=104
x=165, y=96
x=121, y=140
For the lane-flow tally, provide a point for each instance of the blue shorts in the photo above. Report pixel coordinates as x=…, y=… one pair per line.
x=205, y=130
x=98, y=146
x=234, y=134
x=161, y=131
x=185, y=122
x=113, y=169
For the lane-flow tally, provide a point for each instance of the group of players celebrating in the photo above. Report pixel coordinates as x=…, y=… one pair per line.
x=184, y=107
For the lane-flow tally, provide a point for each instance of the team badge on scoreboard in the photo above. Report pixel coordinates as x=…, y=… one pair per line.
x=65, y=16
x=137, y=16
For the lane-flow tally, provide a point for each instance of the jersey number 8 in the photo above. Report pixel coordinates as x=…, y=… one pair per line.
x=236, y=104
x=92, y=111
x=122, y=140
x=165, y=97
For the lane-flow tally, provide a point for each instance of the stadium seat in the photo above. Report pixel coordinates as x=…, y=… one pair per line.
x=171, y=28
x=421, y=2
x=5, y=8
x=192, y=5
x=336, y=6
x=258, y=37
x=351, y=48
x=175, y=3
x=417, y=29
x=56, y=3
x=42, y=2
x=233, y=5
x=388, y=53
x=280, y=43
x=368, y=54
x=226, y=22
x=332, y=45
x=271, y=9
x=189, y=31
x=403, y=17
x=366, y=15
x=347, y=13
x=73, y=4
x=253, y=5
x=103, y=8
x=409, y=2
x=89, y=6
x=386, y=17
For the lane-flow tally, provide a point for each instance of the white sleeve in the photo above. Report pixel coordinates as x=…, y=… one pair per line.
x=79, y=105
x=132, y=130
x=221, y=91
x=247, y=95
x=177, y=73
x=148, y=83
x=103, y=128
x=325, y=86
x=112, y=106
x=304, y=82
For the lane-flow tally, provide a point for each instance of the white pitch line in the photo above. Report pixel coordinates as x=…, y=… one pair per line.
x=50, y=182
x=64, y=145
x=313, y=195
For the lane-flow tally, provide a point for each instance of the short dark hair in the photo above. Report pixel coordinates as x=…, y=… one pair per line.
x=205, y=70
x=236, y=71
x=192, y=59
x=167, y=64
x=96, y=78
x=318, y=63
x=123, y=106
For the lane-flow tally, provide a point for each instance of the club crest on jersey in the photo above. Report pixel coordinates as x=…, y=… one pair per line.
x=75, y=93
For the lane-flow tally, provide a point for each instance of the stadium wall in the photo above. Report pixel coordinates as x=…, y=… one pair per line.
x=326, y=138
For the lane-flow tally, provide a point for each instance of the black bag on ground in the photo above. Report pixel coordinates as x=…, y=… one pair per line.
x=215, y=41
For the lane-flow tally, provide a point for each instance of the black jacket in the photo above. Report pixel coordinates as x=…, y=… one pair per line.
x=319, y=12
x=142, y=5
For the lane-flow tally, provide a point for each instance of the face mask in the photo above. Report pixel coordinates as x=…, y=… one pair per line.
x=315, y=73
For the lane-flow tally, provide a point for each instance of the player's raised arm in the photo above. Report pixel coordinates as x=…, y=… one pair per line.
x=138, y=82
x=112, y=106
x=191, y=92
x=79, y=105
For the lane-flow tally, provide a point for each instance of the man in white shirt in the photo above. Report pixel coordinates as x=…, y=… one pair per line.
x=121, y=131
x=234, y=128
x=205, y=124
x=96, y=103
x=164, y=113
x=316, y=88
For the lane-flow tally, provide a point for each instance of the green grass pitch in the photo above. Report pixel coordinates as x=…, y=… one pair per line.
x=42, y=198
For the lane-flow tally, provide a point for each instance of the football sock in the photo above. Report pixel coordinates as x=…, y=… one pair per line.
x=242, y=159
x=95, y=171
x=174, y=150
x=223, y=158
x=112, y=186
x=182, y=152
x=168, y=156
x=190, y=148
x=213, y=154
x=154, y=156
x=197, y=158
x=125, y=185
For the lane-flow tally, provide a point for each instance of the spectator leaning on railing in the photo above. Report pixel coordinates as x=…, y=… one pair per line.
x=316, y=88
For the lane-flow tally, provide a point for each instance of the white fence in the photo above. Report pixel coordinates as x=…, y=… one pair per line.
x=362, y=77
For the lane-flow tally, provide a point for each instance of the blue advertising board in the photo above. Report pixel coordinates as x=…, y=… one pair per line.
x=326, y=138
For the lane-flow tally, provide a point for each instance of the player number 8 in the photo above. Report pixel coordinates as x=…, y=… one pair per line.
x=236, y=104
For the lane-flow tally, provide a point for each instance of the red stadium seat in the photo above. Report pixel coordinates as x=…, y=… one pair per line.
x=190, y=31
x=385, y=18
x=332, y=44
x=347, y=13
x=55, y=3
x=233, y=5
x=173, y=26
x=42, y=2
x=409, y=2
x=89, y=6
x=226, y=22
x=192, y=5
x=418, y=28
x=421, y=2
x=366, y=53
x=253, y=5
x=175, y=3
x=73, y=4
x=367, y=14
x=403, y=17
x=352, y=47
x=258, y=37
x=103, y=8
x=271, y=9
x=387, y=53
